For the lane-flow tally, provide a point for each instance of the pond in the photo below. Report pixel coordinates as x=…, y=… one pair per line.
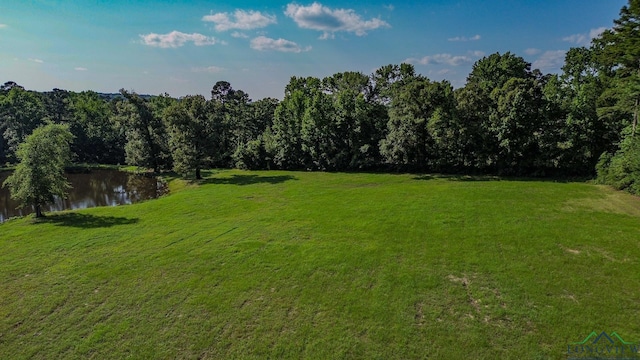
x=96, y=188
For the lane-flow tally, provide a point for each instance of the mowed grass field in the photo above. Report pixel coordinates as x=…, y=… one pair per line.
x=291, y=265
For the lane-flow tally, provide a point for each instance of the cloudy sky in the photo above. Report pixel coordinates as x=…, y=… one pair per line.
x=184, y=48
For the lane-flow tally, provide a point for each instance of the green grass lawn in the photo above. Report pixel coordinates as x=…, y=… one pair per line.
x=323, y=266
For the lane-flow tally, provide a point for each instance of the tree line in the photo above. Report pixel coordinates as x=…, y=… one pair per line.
x=508, y=119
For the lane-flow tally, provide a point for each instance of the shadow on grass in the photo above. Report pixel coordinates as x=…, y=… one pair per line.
x=85, y=221
x=499, y=178
x=458, y=177
x=249, y=180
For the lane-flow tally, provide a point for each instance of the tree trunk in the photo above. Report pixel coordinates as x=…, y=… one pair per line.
x=635, y=118
x=39, y=213
x=198, y=175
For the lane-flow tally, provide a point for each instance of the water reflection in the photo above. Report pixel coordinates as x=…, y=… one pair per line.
x=97, y=188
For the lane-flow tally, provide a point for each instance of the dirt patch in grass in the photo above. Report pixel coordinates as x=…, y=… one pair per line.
x=570, y=251
x=612, y=201
x=485, y=299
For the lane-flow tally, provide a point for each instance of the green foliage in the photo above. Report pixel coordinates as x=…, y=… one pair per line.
x=329, y=124
x=191, y=134
x=493, y=71
x=287, y=124
x=618, y=52
x=21, y=111
x=250, y=155
x=515, y=125
x=147, y=142
x=480, y=133
x=622, y=169
x=234, y=123
x=418, y=111
x=318, y=134
x=96, y=136
x=39, y=177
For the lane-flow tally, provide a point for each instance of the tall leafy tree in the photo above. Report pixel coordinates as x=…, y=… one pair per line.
x=476, y=105
x=21, y=111
x=618, y=51
x=56, y=104
x=232, y=117
x=317, y=132
x=147, y=143
x=619, y=48
x=251, y=152
x=287, y=143
x=39, y=177
x=516, y=124
x=415, y=111
x=387, y=79
x=577, y=132
x=96, y=137
x=358, y=120
x=191, y=134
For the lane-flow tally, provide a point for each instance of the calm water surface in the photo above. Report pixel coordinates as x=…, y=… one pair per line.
x=97, y=188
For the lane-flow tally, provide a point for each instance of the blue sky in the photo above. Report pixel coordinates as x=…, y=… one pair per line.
x=184, y=48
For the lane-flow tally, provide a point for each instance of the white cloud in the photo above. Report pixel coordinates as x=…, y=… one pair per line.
x=390, y=7
x=576, y=38
x=242, y=20
x=176, y=39
x=441, y=59
x=3, y=26
x=319, y=17
x=584, y=39
x=208, y=69
x=532, y=51
x=550, y=60
x=463, y=38
x=477, y=53
x=36, y=60
x=237, y=34
x=263, y=43
x=594, y=33
x=79, y=68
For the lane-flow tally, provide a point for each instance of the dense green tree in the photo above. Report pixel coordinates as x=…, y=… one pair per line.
x=287, y=142
x=358, y=120
x=417, y=108
x=577, y=133
x=147, y=140
x=516, y=124
x=618, y=54
x=232, y=119
x=39, y=177
x=96, y=137
x=21, y=111
x=262, y=113
x=56, y=105
x=317, y=132
x=622, y=169
x=191, y=134
x=387, y=79
x=476, y=105
x=251, y=152
x=9, y=85
x=493, y=71
x=619, y=48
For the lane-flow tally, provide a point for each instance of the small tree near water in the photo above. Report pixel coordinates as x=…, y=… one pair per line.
x=39, y=177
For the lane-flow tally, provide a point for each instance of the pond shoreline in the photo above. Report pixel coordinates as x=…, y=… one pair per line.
x=93, y=186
